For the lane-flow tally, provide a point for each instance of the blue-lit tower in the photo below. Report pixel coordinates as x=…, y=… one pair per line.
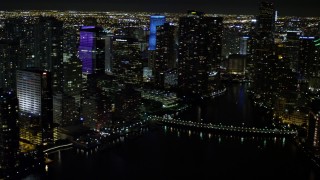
x=155, y=20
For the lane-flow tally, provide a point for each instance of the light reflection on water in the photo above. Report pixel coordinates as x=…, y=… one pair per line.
x=207, y=136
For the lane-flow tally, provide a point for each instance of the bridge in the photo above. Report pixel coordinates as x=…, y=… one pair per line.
x=223, y=128
x=58, y=148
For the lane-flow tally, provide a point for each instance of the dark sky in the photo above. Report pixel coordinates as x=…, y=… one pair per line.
x=284, y=7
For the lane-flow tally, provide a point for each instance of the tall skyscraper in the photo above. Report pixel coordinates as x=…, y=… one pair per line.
x=24, y=30
x=263, y=49
x=165, y=52
x=266, y=18
x=35, y=106
x=40, y=44
x=127, y=61
x=199, y=51
x=309, y=65
x=92, y=49
x=292, y=48
x=155, y=20
x=9, y=53
x=244, y=45
x=9, y=134
x=51, y=50
x=265, y=30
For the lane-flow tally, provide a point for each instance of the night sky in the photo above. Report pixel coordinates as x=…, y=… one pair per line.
x=284, y=7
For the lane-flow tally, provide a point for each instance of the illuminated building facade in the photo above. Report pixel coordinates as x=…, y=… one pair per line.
x=92, y=49
x=199, y=51
x=155, y=20
x=35, y=106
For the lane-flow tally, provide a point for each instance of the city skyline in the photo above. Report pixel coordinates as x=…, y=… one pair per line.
x=154, y=94
x=246, y=7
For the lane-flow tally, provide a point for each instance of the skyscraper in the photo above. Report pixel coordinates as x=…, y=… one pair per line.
x=92, y=49
x=165, y=52
x=9, y=134
x=39, y=45
x=199, y=51
x=9, y=53
x=308, y=65
x=155, y=20
x=51, y=50
x=127, y=61
x=263, y=49
x=35, y=106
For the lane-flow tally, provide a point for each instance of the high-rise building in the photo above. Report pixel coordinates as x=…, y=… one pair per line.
x=265, y=30
x=39, y=45
x=244, y=45
x=128, y=104
x=24, y=30
x=314, y=125
x=199, y=51
x=263, y=52
x=292, y=48
x=309, y=65
x=72, y=76
x=9, y=134
x=127, y=61
x=51, y=50
x=155, y=20
x=266, y=18
x=165, y=52
x=34, y=94
x=9, y=53
x=108, y=53
x=92, y=49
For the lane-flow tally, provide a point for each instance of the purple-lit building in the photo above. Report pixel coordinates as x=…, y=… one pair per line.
x=92, y=49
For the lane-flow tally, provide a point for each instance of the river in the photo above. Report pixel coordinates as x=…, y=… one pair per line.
x=175, y=153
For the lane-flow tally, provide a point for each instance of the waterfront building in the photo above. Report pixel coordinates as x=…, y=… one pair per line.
x=165, y=52
x=34, y=94
x=199, y=51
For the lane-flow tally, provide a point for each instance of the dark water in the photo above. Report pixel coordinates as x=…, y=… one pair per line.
x=232, y=108
x=171, y=153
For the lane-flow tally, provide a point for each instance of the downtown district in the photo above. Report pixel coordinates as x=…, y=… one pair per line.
x=85, y=79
